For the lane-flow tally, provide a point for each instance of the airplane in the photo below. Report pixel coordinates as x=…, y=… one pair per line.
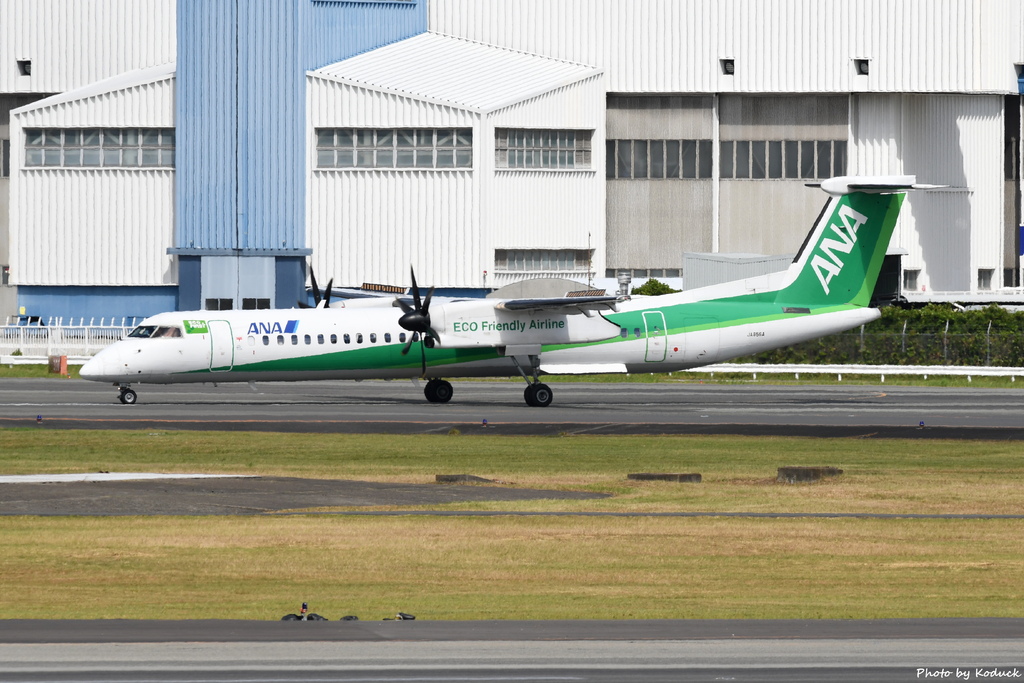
x=826, y=290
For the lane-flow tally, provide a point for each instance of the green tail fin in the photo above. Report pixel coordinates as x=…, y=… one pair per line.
x=840, y=261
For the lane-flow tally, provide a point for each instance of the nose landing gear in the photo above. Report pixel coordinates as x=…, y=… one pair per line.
x=127, y=396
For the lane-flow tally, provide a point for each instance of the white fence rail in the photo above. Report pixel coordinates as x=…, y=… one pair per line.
x=20, y=343
x=924, y=371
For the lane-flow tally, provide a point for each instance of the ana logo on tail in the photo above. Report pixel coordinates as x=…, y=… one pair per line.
x=828, y=268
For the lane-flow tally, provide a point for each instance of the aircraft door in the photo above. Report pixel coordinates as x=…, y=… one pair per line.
x=657, y=336
x=222, y=346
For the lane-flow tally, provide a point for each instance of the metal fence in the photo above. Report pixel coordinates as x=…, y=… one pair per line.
x=42, y=341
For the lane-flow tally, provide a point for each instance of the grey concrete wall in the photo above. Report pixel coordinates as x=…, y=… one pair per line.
x=651, y=222
x=8, y=295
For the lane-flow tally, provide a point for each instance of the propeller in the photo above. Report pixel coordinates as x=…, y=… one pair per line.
x=416, y=319
x=319, y=303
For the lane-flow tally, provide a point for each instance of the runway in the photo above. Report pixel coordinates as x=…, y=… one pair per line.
x=599, y=652
x=579, y=408
x=596, y=651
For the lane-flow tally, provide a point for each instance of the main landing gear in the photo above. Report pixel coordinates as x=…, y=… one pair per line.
x=127, y=396
x=537, y=394
x=438, y=391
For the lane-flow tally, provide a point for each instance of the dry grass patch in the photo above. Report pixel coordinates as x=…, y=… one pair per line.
x=493, y=568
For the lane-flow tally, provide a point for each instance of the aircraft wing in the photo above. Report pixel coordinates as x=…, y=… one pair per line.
x=567, y=304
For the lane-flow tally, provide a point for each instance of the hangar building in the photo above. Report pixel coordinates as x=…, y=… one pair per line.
x=162, y=154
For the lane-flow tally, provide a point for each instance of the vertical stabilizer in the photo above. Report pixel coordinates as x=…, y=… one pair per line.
x=840, y=261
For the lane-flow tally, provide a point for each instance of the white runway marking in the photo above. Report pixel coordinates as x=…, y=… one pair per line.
x=105, y=476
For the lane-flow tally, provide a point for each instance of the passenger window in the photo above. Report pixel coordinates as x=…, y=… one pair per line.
x=266, y=340
x=252, y=340
x=387, y=337
x=623, y=333
x=319, y=339
x=295, y=339
x=373, y=337
x=280, y=340
x=334, y=339
x=359, y=338
x=636, y=332
x=308, y=340
x=401, y=337
x=348, y=339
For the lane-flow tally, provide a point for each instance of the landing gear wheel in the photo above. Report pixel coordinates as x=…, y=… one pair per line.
x=128, y=397
x=438, y=391
x=538, y=395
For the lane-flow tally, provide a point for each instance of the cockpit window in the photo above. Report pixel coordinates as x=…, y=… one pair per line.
x=151, y=331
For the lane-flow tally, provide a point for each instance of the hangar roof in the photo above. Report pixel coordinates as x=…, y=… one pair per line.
x=456, y=72
x=124, y=81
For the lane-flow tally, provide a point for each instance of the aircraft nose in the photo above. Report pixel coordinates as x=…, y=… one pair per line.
x=101, y=367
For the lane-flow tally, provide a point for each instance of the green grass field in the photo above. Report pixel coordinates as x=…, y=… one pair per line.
x=533, y=567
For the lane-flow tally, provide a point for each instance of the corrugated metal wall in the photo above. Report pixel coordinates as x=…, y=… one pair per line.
x=948, y=234
x=73, y=43
x=241, y=136
x=553, y=209
x=778, y=45
x=651, y=222
x=98, y=226
x=207, y=113
x=371, y=225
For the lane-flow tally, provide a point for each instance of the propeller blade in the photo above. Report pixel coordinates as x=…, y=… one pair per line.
x=404, y=306
x=423, y=356
x=426, y=302
x=415, y=289
x=327, y=295
x=316, y=290
x=408, y=344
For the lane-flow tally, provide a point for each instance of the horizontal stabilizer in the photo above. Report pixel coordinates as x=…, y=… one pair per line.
x=844, y=185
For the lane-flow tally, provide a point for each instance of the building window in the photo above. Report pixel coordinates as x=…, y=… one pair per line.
x=910, y=277
x=985, y=278
x=643, y=272
x=531, y=149
x=99, y=147
x=219, y=304
x=376, y=148
x=562, y=260
x=249, y=304
x=5, y=158
x=782, y=159
x=657, y=159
